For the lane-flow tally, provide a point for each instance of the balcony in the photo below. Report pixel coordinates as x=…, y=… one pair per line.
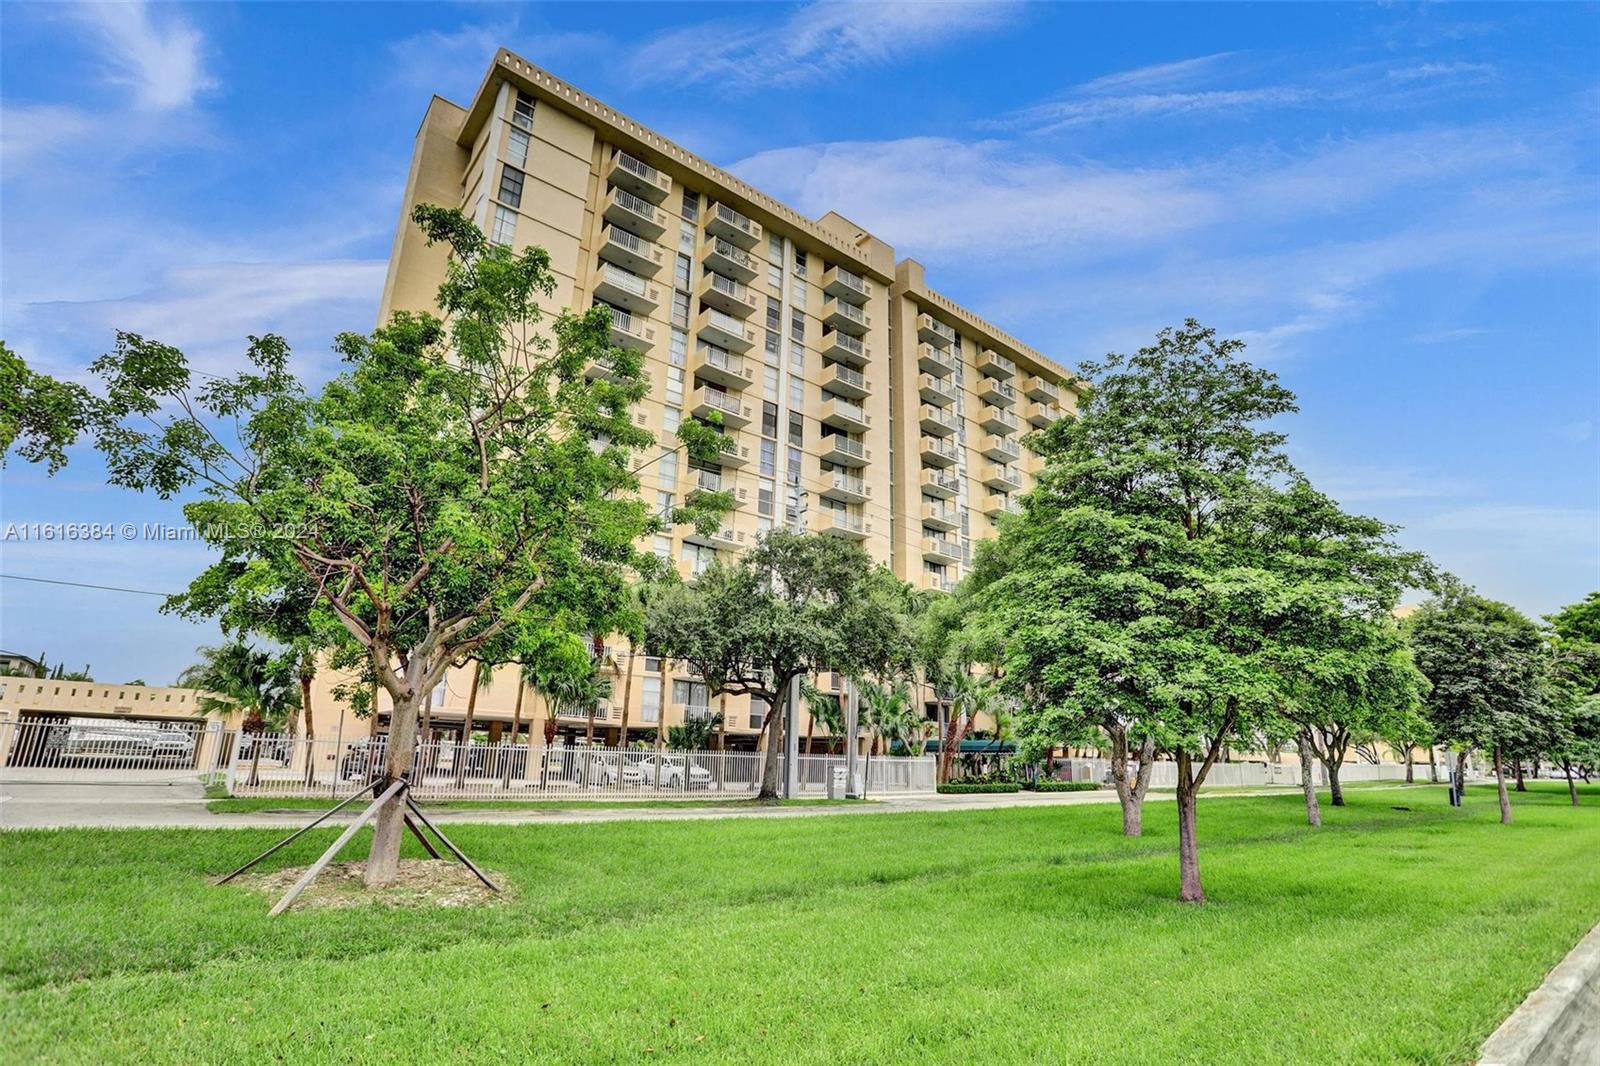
x=848, y=526
x=712, y=481
x=840, y=450
x=997, y=420
x=937, y=483
x=632, y=252
x=711, y=363
x=631, y=331
x=723, y=221
x=736, y=456
x=846, y=285
x=941, y=453
x=706, y=400
x=1001, y=477
x=728, y=258
x=626, y=290
x=1042, y=414
x=936, y=361
x=998, y=504
x=1042, y=389
x=938, y=582
x=937, y=391
x=638, y=177
x=941, y=550
x=940, y=516
x=1000, y=449
x=601, y=368
x=935, y=332
x=721, y=539
x=847, y=488
x=634, y=214
x=724, y=331
x=996, y=365
x=840, y=379
x=846, y=415
x=727, y=295
x=846, y=349
x=996, y=392
x=846, y=318
x=938, y=421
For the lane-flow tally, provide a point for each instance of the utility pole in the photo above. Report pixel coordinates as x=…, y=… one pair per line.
x=791, y=741
x=852, y=720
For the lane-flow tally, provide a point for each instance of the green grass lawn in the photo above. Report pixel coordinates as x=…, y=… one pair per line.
x=1008, y=935
x=244, y=804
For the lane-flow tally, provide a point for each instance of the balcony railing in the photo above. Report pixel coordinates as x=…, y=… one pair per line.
x=725, y=257
x=842, y=346
x=938, y=421
x=637, y=176
x=935, y=360
x=845, y=284
x=931, y=329
x=724, y=221
x=996, y=365
x=946, y=452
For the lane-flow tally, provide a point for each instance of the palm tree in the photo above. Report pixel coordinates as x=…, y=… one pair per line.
x=889, y=713
x=821, y=707
x=482, y=677
x=694, y=734
x=579, y=693
x=969, y=697
x=236, y=676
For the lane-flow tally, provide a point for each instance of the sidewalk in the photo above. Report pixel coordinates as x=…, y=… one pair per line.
x=181, y=804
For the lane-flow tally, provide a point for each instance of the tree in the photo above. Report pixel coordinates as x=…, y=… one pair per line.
x=1486, y=663
x=793, y=605
x=482, y=677
x=1574, y=688
x=821, y=707
x=40, y=417
x=237, y=676
x=695, y=734
x=1130, y=593
x=462, y=481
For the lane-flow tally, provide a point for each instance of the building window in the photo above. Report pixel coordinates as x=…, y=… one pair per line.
x=797, y=359
x=797, y=392
x=797, y=326
x=769, y=382
x=505, y=225
x=775, y=277
x=797, y=429
x=769, y=419
x=664, y=506
x=799, y=263
x=675, y=384
x=775, y=248
x=774, y=313
x=511, y=186
x=517, y=144
x=680, y=310
x=686, y=237
x=670, y=419
x=663, y=546
x=774, y=348
x=769, y=457
x=678, y=350
x=691, y=206
x=650, y=706
x=522, y=113
x=693, y=695
x=680, y=273
x=667, y=476
x=765, y=497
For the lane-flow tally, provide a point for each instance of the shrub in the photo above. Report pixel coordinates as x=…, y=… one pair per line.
x=958, y=787
x=1052, y=785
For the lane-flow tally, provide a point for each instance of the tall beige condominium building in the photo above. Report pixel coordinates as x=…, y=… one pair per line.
x=864, y=404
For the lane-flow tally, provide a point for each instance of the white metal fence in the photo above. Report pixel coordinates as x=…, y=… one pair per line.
x=1245, y=774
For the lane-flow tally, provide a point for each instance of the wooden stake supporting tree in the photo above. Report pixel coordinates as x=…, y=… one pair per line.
x=397, y=798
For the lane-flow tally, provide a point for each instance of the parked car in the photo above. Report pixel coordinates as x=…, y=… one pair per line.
x=673, y=771
x=362, y=759
x=606, y=771
x=125, y=742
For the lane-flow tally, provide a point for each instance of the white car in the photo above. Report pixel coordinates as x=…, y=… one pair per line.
x=673, y=771
x=606, y=772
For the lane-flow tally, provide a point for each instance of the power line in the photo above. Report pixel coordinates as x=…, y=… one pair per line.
x=85, y=585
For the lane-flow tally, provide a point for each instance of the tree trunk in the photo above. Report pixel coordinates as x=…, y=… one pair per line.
x=305, y=706
x=383, y=860
x=1308, y=783
x=627, y=700
x=1500, y=787
x=1517, y=766
x=1190, y=890
x=775, y=742
x=1130, y=794
x=1433, y=766
x=1461, y=775
x=1407, y=751
x=1331, y=767
x=466, y=729
x=811, y=728
x=516, y=727
x=944, y=743
x=1572, y=784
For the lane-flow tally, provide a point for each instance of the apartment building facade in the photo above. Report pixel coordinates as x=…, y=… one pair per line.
x=864, y=404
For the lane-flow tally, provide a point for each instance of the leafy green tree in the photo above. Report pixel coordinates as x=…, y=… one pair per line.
x=696, y=734
x=1574, y=688
x=40, y=417
x=1133, y=592
x=461, y=484
x=792, y=606
x=821, y=707
x=1487, y=665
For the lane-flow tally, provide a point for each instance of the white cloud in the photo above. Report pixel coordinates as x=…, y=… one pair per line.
x=1159, y=75
x=1425, y=71
x=817, y=41
x=1449, y=335
x=1064, y=114
x=159, y=59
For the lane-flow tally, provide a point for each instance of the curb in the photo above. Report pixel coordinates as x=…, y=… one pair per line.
x=1553, y=1014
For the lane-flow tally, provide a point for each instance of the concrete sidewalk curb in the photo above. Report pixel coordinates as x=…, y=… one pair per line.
x=1563, y=1011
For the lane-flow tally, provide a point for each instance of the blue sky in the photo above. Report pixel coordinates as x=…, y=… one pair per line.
x=1398, y=207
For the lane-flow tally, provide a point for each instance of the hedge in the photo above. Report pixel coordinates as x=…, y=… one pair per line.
x=961, y=787
x=1051, y=785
